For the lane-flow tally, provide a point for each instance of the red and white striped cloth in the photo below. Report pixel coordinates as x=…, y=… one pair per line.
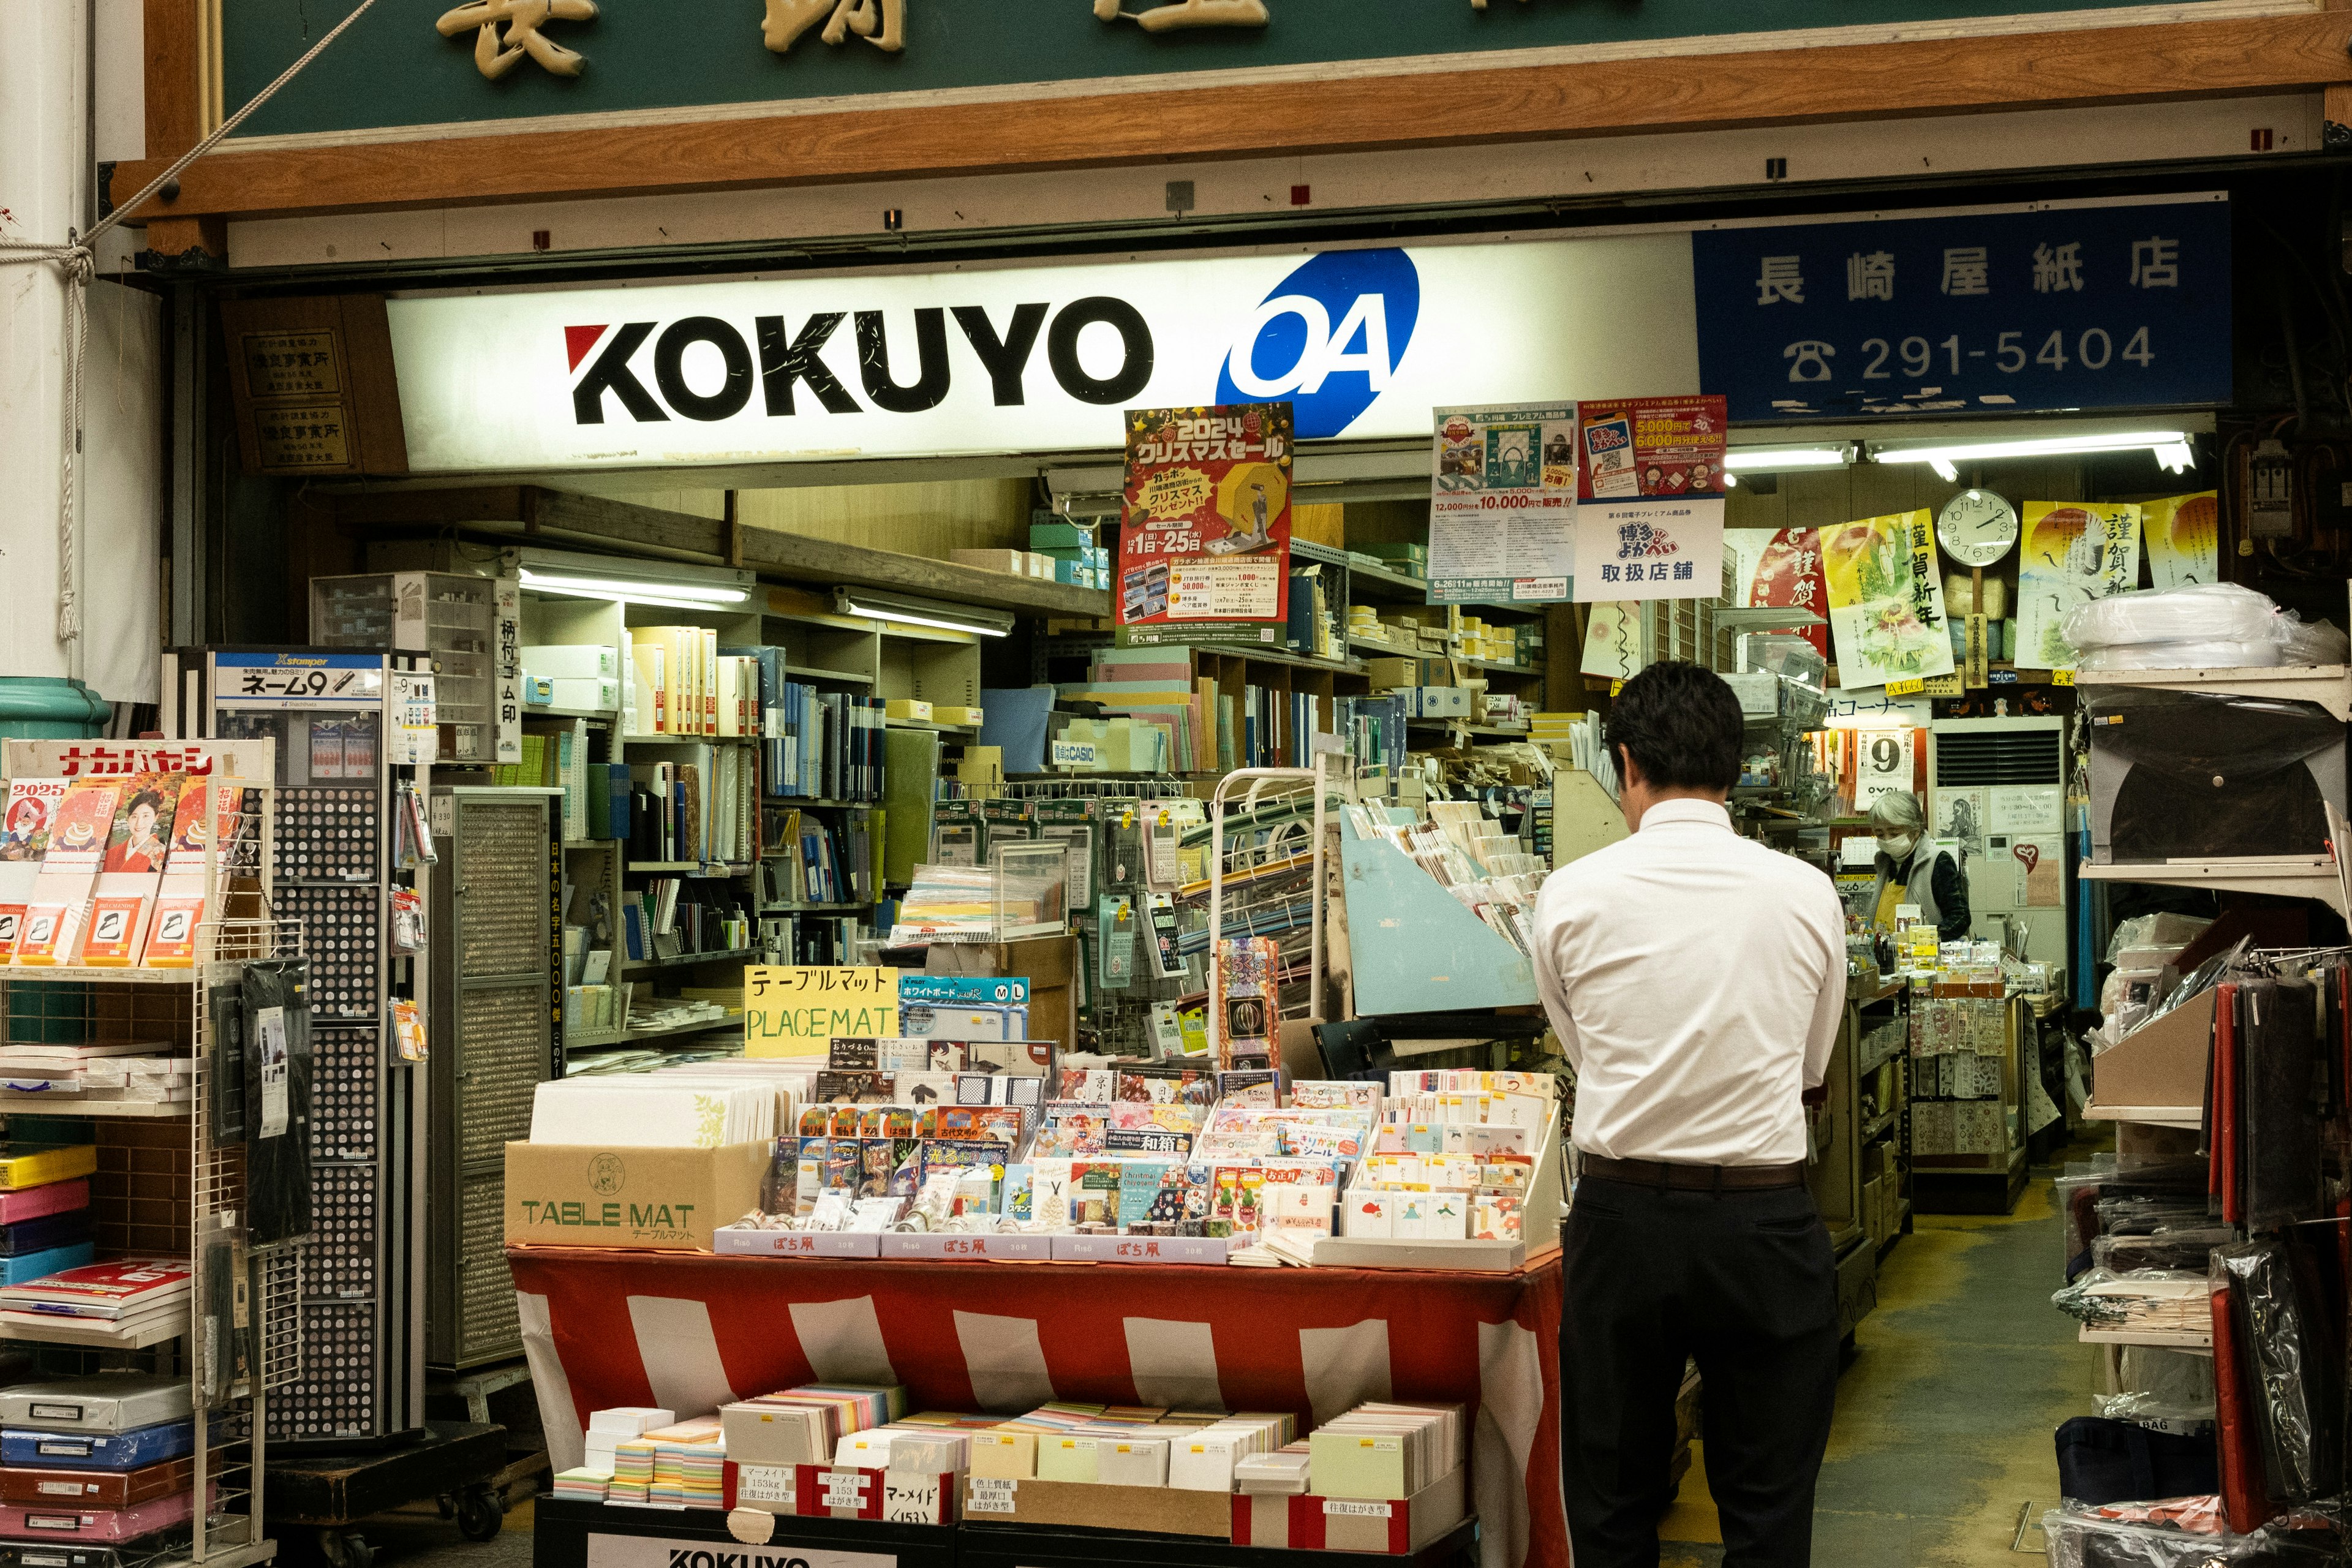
x=688, y=1331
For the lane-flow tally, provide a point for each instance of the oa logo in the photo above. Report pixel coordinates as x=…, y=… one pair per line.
x=1327, y=339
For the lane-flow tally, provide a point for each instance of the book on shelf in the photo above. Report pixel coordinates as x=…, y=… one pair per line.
x=125, y=1287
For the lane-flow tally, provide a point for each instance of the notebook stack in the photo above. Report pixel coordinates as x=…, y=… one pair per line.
x=60, y=1078
x=131, y=1301
x=44, y=1228
x=107, y=1457
x=1387, y=1451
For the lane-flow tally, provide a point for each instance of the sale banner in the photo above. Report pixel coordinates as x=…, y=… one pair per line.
x=1502, y=504
x=1204, y=548
x=1649, y=487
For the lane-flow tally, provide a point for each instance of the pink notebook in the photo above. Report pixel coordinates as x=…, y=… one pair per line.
x=53, y=1197
x=36, y=1521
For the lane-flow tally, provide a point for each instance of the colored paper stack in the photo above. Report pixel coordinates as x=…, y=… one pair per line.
x=119, y=1302
x=118, y=1445
x=45, y=1226
x=689, y=1463
x=806, y=1426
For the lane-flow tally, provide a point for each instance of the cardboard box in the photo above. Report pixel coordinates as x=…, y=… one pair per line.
x=838, y=1491
x=1398, y=1527
x=1156, y=1510
x=564, y=1194
x=950, y=715
x=1317, y=523
x=1015, y=562
x=586, y=695
x=1392, y=674
x=2159, y=1064
x=1439, y=701
x=907, y=708
x=570, y=662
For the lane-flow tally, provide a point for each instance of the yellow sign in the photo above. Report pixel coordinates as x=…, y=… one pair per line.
x=2061, y=678
x=1906, y=688
x=799, y=1011
x=1941, y=686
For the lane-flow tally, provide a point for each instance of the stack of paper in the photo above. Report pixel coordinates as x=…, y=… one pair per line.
x=1282, y=1473
x=121, y=1299
x=583, y=1484
x=1386, y=1451
x=644, y=1112
x=608, y=1429
x=689, y=1463
x=806, y=1426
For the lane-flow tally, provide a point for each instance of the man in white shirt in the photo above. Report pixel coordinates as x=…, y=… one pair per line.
x=1696, y=980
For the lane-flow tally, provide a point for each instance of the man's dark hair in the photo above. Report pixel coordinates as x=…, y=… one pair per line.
x=1682, y=725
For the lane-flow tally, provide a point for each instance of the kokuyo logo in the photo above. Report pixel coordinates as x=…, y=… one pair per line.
x=1327, y=337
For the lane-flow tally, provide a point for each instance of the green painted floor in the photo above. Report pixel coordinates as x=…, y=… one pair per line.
x=1946, y=1411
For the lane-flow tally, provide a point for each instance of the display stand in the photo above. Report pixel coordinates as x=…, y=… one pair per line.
x=1415, y=948
x=1982, y=1182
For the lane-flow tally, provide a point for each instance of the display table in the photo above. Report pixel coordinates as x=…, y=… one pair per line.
x=688, y=1331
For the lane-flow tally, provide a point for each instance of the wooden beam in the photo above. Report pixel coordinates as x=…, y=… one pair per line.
x=551, y=516
x=173, y=89
x=2029, y=70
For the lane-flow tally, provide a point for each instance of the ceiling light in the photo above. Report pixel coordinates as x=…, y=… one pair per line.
x=1788, y=460
x=2169, y=447
x=914, y=612
x=605, y=596
x=641, y=592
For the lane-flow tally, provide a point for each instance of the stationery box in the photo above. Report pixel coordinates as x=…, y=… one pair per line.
x=108, y=1402
x=96, y=1488
x=962, y=716
x=595, y=696
x=760, y=1434
x=21, y=1238
x=572, y=661
x=907, y=708
x=98, y=1450
x=667, y=1199
x=1395, y=1527
x=48, y=1520
x=20, y=1171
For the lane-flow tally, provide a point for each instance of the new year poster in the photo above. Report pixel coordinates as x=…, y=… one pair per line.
x=2182, y=539
x=1887, y=603
x=2073, y=553
x=1204, y=548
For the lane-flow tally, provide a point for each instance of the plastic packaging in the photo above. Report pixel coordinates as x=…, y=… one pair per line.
x=2180, y=1532
x=224, y=1344
x=224, y=1072
x=2294, y=1398
x=2165, y=929
x=278, y=1064
x=2169, y=1389
x=2203, y=626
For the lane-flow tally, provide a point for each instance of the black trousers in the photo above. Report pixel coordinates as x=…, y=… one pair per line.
x=1744, y=1282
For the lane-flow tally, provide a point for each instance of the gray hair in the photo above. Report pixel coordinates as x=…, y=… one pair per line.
x=1899, y=809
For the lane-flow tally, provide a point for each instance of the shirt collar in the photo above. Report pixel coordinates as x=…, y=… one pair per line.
x=1683, y=808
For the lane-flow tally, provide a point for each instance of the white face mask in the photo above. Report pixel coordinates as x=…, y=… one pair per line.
x=1898, y=846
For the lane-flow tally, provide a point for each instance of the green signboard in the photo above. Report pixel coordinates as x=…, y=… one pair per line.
x=428, y=62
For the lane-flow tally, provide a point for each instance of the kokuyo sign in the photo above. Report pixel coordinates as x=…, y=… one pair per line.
x=1362, y=343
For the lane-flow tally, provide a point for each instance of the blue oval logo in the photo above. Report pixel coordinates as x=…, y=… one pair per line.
x=1326, y=338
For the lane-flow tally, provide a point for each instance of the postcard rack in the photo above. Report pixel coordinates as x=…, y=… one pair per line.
x=1267, y=829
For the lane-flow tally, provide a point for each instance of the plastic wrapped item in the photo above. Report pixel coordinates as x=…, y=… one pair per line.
x=2206, y=625
x=2179, y=1533
x=2293, y=1393
x=277, y=1065
x=2188, y=776
x=225, y=1073
x=2162, y=929
x=2104, y=1461
x=2169, y=1389
x=225, y=1346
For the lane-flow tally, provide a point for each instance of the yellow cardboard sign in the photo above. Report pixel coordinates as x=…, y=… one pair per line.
x=1906, y=688
x=2061, y=678
x=798, y=1011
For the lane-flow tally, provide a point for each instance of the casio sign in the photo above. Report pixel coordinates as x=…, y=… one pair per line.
x=1327, y=337
x=726, y=366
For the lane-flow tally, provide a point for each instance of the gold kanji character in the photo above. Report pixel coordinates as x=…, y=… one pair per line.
x=497, y=52
x=1189, y=14
x=882, y=22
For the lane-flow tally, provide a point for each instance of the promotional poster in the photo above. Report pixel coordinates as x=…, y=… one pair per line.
x=1502, y=509
x=1887, y=603
x=1649, y=485
x=2070, y=552
x=1205, y=551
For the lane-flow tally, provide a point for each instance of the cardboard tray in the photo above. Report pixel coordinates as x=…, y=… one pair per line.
x=1159, y=1510
x=1395, y=1528
x=2160, y=1064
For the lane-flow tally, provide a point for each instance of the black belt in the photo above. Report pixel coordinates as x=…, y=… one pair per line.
x=1694, y=1178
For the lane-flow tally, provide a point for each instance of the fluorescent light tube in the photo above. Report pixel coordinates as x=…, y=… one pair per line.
x=1786, y=459
x=873, y=611
x=612, y=597
x=642, y=593
x=2169, y=447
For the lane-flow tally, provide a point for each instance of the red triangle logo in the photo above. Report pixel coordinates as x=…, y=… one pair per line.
x=578, y=341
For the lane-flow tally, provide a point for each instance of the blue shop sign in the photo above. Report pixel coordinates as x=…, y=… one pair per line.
x=2089, y=305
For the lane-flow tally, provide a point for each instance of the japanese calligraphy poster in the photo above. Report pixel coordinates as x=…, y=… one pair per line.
x=1502, y=507
x=798, y=1011
x=1886, y=605
x=1781, y=569
x=1204, y=548
x=2073, y=553
x=1613, y=640
x=1649, y=487
x=2184, y=545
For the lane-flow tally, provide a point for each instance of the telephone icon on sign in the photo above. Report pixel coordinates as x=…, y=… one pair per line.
x=1812, y=357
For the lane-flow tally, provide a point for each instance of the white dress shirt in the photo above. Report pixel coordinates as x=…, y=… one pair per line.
x=1696, y=979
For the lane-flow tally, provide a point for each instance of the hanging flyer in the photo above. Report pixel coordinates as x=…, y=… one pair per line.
x=1204, y=548
x=1649, y=487
x=1886, y=605
x=1502, y=507
x=2075, y=551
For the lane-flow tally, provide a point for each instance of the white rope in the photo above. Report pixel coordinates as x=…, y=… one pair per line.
x=78, y=257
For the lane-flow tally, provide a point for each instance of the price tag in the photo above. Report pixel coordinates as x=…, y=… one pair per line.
x=1906, y=688
x=991, y=1495
x=1615, y=687
x=764, y=1483
x=844, y=1488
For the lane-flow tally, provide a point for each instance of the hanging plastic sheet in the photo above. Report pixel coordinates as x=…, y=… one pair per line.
x=2280, y=1076
x=278, y=1063
x=2285, y=1334
x=2180, y=1532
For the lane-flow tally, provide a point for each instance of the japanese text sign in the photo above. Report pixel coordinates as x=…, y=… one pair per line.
x=1205, y=534
x=1649, y=516
x=798, y=1011
x=2089, y=305
x=1502, y=504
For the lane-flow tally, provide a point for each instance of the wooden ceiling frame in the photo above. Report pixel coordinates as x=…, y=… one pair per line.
x=2031, y=69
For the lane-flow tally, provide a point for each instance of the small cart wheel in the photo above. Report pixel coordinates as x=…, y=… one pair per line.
x=357, y=1550
x=481, y=1514
x=346, y=1549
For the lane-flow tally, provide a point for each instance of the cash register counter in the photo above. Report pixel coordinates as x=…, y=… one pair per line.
x=689, y=1332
